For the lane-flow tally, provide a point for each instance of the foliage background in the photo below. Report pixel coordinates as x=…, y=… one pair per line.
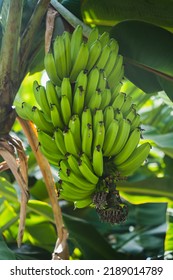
x=144, y=34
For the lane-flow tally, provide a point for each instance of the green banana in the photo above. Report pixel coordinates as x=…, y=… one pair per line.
x=75, y=126
x=136, y=122
x=78, y=101
x=49, y=64
x=70, y=144
x=52, y=158
x=72, y=193
x=119, y=101
x=99, y=135
x=68, y=176
x=94, y=53
x=104, y=39
x=41, y=122
x=129, y=147
x=41, y=98
x=135, y=160
x=76, y=41
x=111, y=62
x=25, y=111
x=48, y=142
x=52, y=95
x=110, y=137
x=122, y=136
x=118, y=115
x=93, y=36
x=98, y=161
x=56, y=117
x=73, y=164
x=59, y=140
x=88, y=173
x=127, y=104
x=86, y=159
x=66, y=89
x=102, y=83
x=80, y=62
x=113, y=45
x=93, y=79
x=86, y=118
x=108, y=116
x=115, y=72
x=106, y=98
x=95, y=100
x=67, y=46
x=81, y=81
x=83, y=203
x=65, y=109
x=87, y=138
x=59, y=57
x=115, y=92
x=102, y=60
x=97, y=117
x=117, y=79
x=131, y=115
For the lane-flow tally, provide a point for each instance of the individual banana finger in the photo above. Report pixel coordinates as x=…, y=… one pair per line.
x=138, y=156
x=65, y=109
x=59, y=140
x=49, y=64
x=122, y=136
x=110, y=136
x=93, y=36
x=75, y=127
x=87, y=138
x=56, y=117
x=52, y=95
x=83, y=203
x=70, y=144
x=66, y=89
x=88, y=173
x=98, y=161
x=80, y=62
x=94, y=53
x=129, y=147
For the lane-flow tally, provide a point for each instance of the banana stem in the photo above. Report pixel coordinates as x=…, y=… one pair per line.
x=31, y=134
x=30, y=31
x=10, y=42
x=9, y=65
x=70, y=18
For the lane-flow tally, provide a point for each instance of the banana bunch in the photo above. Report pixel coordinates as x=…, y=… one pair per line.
x=86, y=126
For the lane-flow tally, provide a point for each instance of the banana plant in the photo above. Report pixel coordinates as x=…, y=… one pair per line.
x=143, y=42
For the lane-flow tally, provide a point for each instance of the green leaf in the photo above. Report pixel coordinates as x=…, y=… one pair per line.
x=148, y=56
x=169, y=235
x=110, y=12
x=74, y=6
x=164, y=142
x=90, y=241
x=7, y=191
x=147, y=190
x=6, y=253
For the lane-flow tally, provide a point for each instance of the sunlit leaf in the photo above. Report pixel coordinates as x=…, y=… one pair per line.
x=150, y=190
x=164, y=142
x=89, y=240
x=110, y=12
x=6, y=253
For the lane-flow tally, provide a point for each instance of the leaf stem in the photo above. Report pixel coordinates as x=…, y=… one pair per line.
x=69, y=17
x=31, y=134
